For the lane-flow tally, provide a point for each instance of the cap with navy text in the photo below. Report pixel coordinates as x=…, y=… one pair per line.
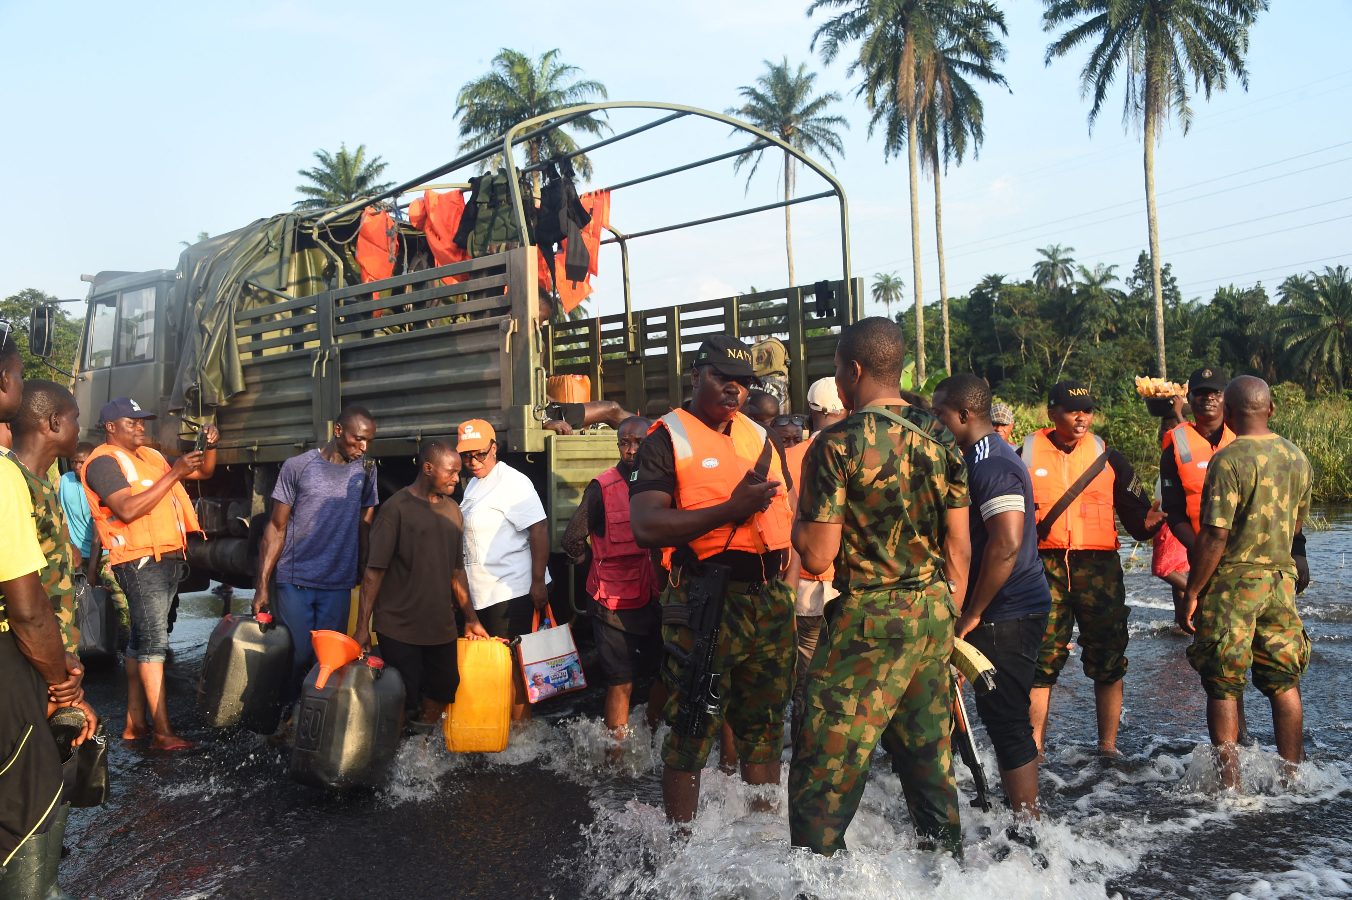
x=1072, y=396
x=727, y=356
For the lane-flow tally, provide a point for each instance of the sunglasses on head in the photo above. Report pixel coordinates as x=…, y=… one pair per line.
x=798, y=420
x=480, y=455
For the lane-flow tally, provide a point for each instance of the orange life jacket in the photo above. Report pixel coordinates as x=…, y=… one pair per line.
x=794, y=456
x=622, y=574
x=1088, y=523
x=709, y=466
x=377, y=244
x=164, y=529
x=438, y=215
x=1192, y=453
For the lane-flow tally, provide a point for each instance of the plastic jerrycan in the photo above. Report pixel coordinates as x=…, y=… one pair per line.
x=247, y=662
x=349, y=717
x=480, y=717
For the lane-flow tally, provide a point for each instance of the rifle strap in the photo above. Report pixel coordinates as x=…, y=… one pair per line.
x=900, y=420
x=1044, y=527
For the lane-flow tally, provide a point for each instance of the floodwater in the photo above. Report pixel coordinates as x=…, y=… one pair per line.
x=548, y=818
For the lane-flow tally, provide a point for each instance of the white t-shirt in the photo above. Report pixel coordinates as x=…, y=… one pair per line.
x=498, y=511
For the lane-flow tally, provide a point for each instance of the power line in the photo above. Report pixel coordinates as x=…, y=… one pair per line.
x=1281, y=268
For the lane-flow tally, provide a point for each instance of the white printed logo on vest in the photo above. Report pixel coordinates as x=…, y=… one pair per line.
x=710, y=462
x=1041, y=473
x=1202, y=464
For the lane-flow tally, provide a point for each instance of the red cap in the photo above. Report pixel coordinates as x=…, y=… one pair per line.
x=375, y=662
x=263, y=618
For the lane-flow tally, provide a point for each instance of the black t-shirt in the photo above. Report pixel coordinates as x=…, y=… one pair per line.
x=999, y=482
x=656, y=471
x=105, y=477
x=420, y=545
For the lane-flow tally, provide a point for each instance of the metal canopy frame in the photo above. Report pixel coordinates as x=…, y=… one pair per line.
x=543, y=124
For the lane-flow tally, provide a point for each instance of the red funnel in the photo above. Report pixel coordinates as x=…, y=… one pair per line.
x=334, y=650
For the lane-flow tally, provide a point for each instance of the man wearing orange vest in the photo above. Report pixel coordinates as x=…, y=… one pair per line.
x=622, y=582
x=710, y=486
x=143, y=517
x=1078, y=544
x=814, y=591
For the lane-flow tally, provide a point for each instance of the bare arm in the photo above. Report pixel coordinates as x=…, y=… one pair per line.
x=460, y=589
x=575, y=535
x=129, y=506
x=1205, y=559
x=657, y=523
x=539, y=562
x=368, y=515
x=35, y=630
x=371, y=581
x=1004, y=533
x=208, y=468
x=817, y=543
x=269, y=551
x=957, y=550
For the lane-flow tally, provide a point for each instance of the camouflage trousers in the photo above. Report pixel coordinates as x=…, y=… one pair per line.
x=1247, y=617
x=880, y=673
x=755, y=654
x=114, y=589
x=1087, y=591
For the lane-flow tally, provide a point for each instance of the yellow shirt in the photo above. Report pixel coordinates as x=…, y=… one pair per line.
x=20, y=553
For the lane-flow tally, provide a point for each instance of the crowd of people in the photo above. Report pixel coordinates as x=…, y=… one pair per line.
x=844, y=550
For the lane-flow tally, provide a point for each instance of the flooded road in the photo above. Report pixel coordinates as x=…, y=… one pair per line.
x=548, y=818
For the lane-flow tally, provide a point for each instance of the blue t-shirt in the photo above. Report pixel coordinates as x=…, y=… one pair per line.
x=999, y=482
x=326, y=500
x=79, y=520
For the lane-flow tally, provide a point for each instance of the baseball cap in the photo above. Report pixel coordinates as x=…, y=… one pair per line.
x=1208, y=379
x=122, y=408
x=823, y=396
x=1002, y=414
x=475, y=434
x=1072, y=396
x=727, y=355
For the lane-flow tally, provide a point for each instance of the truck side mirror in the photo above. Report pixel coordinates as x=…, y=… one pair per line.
x=40, y=331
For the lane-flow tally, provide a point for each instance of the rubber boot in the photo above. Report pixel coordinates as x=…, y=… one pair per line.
x=31, y=873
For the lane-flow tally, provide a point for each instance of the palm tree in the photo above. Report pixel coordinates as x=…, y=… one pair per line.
x=887, y=289
x=341, y=178
x=898, y=42
x=781, y=102
x=1099, y=297
x=1162, y=47
x=955, y=115
x=1056, y=268
x=1316, y=323
x=517, y=88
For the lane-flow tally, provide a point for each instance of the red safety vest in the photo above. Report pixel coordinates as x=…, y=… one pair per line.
x=622, y=574
x=1088, y=523
x=1192, y=453
x=709, y=466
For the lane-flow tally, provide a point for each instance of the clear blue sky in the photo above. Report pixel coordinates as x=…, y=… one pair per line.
x=135, y=126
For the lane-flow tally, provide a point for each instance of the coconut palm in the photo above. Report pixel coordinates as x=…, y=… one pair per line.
x=1164, y=51
x=782, y=103
x=898, y=41
x=1056, y=269
x=887, y=289
x=1316, y=323
x=955, y=117
x=341, y=178
x=517, y=88
x=1098, y=297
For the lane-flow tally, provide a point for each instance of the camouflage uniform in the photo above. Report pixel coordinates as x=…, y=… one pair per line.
x=755, y=659
x=56, y=576
x=1258, y=488
x=1087, y=590
x=881, y=668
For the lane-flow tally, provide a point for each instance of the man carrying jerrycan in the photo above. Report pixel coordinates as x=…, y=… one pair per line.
x=415, y=565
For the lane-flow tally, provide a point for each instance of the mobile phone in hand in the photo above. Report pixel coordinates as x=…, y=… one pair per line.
x=200, y=443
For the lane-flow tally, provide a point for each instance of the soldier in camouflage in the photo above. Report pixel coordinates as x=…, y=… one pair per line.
x=1240, y=598
x=884, y=498
x=45, y=428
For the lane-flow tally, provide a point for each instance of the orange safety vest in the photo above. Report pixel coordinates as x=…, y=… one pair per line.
x=709, y=466
x=1088, y=523
x=164, y=529
x=1192, y=453
x=438, y=216
x=377, y=245
x=795, y=456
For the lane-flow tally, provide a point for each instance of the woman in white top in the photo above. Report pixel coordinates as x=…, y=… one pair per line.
x=506, y=542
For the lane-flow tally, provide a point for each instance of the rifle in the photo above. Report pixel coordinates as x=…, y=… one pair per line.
x=706, y=587
x=972, y=664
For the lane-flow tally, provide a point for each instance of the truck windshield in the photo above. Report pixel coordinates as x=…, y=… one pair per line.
x=102, y=328
x=136, y=326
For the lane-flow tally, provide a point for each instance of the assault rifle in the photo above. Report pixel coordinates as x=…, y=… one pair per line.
x=706, y=585
x=973, y=665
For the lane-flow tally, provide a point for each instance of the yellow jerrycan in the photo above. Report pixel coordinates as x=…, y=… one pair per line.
x=478, y=720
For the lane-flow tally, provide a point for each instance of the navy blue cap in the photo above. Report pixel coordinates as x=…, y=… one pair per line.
x=122, y=408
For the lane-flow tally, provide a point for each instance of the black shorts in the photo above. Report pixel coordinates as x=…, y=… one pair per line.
x=430, y=671
x=575, y=414
x=1013, y=647
x=626, y=654
x=508, y=619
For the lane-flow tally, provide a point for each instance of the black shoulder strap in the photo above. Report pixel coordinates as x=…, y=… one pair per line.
x=1044, y=527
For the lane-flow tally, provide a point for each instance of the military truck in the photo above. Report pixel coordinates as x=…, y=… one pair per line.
x=269, y=330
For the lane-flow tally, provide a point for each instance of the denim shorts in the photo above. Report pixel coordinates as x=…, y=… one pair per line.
x=150, y=587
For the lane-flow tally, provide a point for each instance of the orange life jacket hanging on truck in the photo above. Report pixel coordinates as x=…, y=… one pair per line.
x=437, y=216
x=377, y=244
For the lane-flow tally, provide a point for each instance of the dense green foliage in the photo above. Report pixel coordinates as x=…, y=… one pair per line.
x=15, y=310
x=339, y=178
